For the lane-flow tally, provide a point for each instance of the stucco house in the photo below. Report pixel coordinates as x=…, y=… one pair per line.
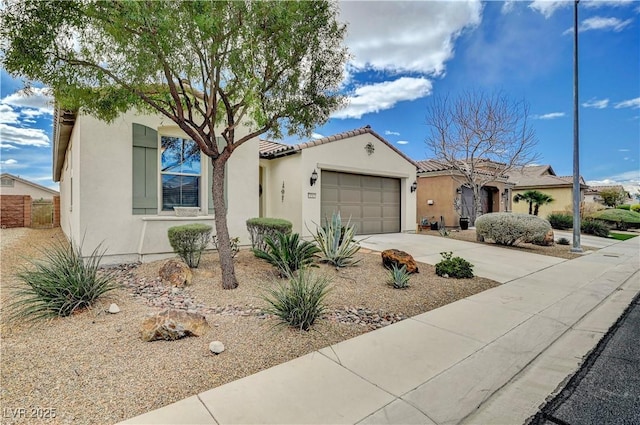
x=441, y=193
x=14, y=185
x=592, y=194
x=543, y=179
x=120, y=181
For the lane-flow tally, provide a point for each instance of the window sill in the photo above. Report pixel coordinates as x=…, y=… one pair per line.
x=176, y=218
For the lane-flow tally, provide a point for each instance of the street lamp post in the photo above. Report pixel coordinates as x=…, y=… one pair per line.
x=576, y=145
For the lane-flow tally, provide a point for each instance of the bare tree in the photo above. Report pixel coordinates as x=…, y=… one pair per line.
x=480, y=137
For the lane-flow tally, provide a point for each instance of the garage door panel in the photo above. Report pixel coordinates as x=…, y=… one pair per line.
x=371, y=202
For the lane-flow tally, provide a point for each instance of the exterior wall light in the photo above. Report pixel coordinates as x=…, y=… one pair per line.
x=314, y=178
x=414, y=186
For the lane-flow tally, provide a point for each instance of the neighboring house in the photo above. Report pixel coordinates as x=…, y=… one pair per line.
x=358, y=173
x=543, y=179
x=120, y=181
x=441, y=192
x=592, y=194
x=14, y=185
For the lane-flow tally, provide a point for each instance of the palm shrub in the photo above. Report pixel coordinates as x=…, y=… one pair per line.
x=398, y=277
x=61, y=284
x=563, y=241
x=595, y=227
x=336, y=242
x=189, y=240
x=560, y=221
x=287, y=252
x=299, y=302
x=456, y=267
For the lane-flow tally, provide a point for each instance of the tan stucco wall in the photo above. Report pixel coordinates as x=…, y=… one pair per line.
x=441, y=189
x=276, y=172
x=563, y=200
x=102, y=178
x=20, y=188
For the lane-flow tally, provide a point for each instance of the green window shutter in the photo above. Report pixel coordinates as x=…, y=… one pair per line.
x=145, y=170
x=221, y=144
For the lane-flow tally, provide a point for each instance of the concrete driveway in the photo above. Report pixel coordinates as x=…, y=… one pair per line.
x=498, y=263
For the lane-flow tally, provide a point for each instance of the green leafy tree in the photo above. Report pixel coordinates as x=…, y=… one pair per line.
x=209, y=66
x=612, y=197
x=534, y=198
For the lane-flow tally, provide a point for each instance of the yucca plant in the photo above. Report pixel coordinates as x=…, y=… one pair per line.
x=298, y=302
x=288, y=253
x=398, y=277
x=61, y=284
x=336, y=242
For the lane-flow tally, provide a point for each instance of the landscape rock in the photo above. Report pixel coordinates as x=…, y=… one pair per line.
x=399, y=258
x=216, y=347
x=170, y=325
x=176, y=272
x=548, y=238
x=113, y=308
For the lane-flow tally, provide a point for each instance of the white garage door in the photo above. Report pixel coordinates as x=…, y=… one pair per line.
x=372, y=202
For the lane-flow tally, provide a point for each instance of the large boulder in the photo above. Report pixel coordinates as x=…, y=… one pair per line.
x=176, y=273
x=170, y=325
x=399, y=258
x=548, y=239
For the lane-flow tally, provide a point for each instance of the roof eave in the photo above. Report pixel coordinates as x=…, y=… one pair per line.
x=64, y=121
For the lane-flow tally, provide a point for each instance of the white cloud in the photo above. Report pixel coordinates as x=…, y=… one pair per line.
x=8, y=115
x=600, y=23
x=402, y=142
x=381, y=96
x=623, y=150
x=631, y=103
x=24, y=136
x=549, y=116
x=37, y=98
x=316, y=136
x=7, y=146
x=391, y=133
x=9, y=162
x=422, y=43
x=594, y=103
x=630, y=180
x=548, y=7
x=507, y=6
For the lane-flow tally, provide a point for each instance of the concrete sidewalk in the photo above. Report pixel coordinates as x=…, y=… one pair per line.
x=490, y=358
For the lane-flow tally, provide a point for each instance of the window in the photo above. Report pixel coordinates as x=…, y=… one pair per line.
x=180, y=172
x=6, y=182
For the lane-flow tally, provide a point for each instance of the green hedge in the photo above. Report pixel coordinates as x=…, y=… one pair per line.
x=189, y=240
x=622, y=219
x=260, y=227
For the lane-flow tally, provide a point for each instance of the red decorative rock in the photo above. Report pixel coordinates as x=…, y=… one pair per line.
x=170, y=325
x=176, y=272
x=399, y=258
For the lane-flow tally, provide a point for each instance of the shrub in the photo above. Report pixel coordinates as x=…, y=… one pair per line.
x=510, y=228
x=233, y=244
x=189, y=240
x=261, y=227
x=595, y=227
x=287, y=252
x=300, y=301
x=61, y=284
x=624, y=207
x=620, y=218
x=560, y=221
x=398, y=277
x=563, y=241
x=336, y=243
x=635, y=208
x=456, y=267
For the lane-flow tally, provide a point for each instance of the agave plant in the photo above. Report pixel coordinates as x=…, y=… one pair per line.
x=287, y=252
x=336, y=242
x=398, y=277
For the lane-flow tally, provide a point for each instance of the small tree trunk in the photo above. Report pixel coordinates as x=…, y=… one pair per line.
x=536, y=209
x=477, y=202
x=530, y=207
x=229, y=280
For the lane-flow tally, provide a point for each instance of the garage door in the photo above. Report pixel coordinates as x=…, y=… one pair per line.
x=372, y=202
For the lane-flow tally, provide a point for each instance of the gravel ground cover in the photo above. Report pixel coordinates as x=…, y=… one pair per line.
x=93, y=368
x=560, y=251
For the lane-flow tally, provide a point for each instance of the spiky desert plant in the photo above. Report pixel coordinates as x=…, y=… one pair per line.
x=398, y=277
x=298, y=302
x=337, y=243
x=287, y=252
x=63, y=283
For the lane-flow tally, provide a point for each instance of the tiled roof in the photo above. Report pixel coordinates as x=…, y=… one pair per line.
x=596, y=189
x=428, y=165
x=269, y=150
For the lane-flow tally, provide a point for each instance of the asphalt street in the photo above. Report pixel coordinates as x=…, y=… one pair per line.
x=606, y=389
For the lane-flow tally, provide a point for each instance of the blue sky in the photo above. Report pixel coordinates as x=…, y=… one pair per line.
x=404, y=53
